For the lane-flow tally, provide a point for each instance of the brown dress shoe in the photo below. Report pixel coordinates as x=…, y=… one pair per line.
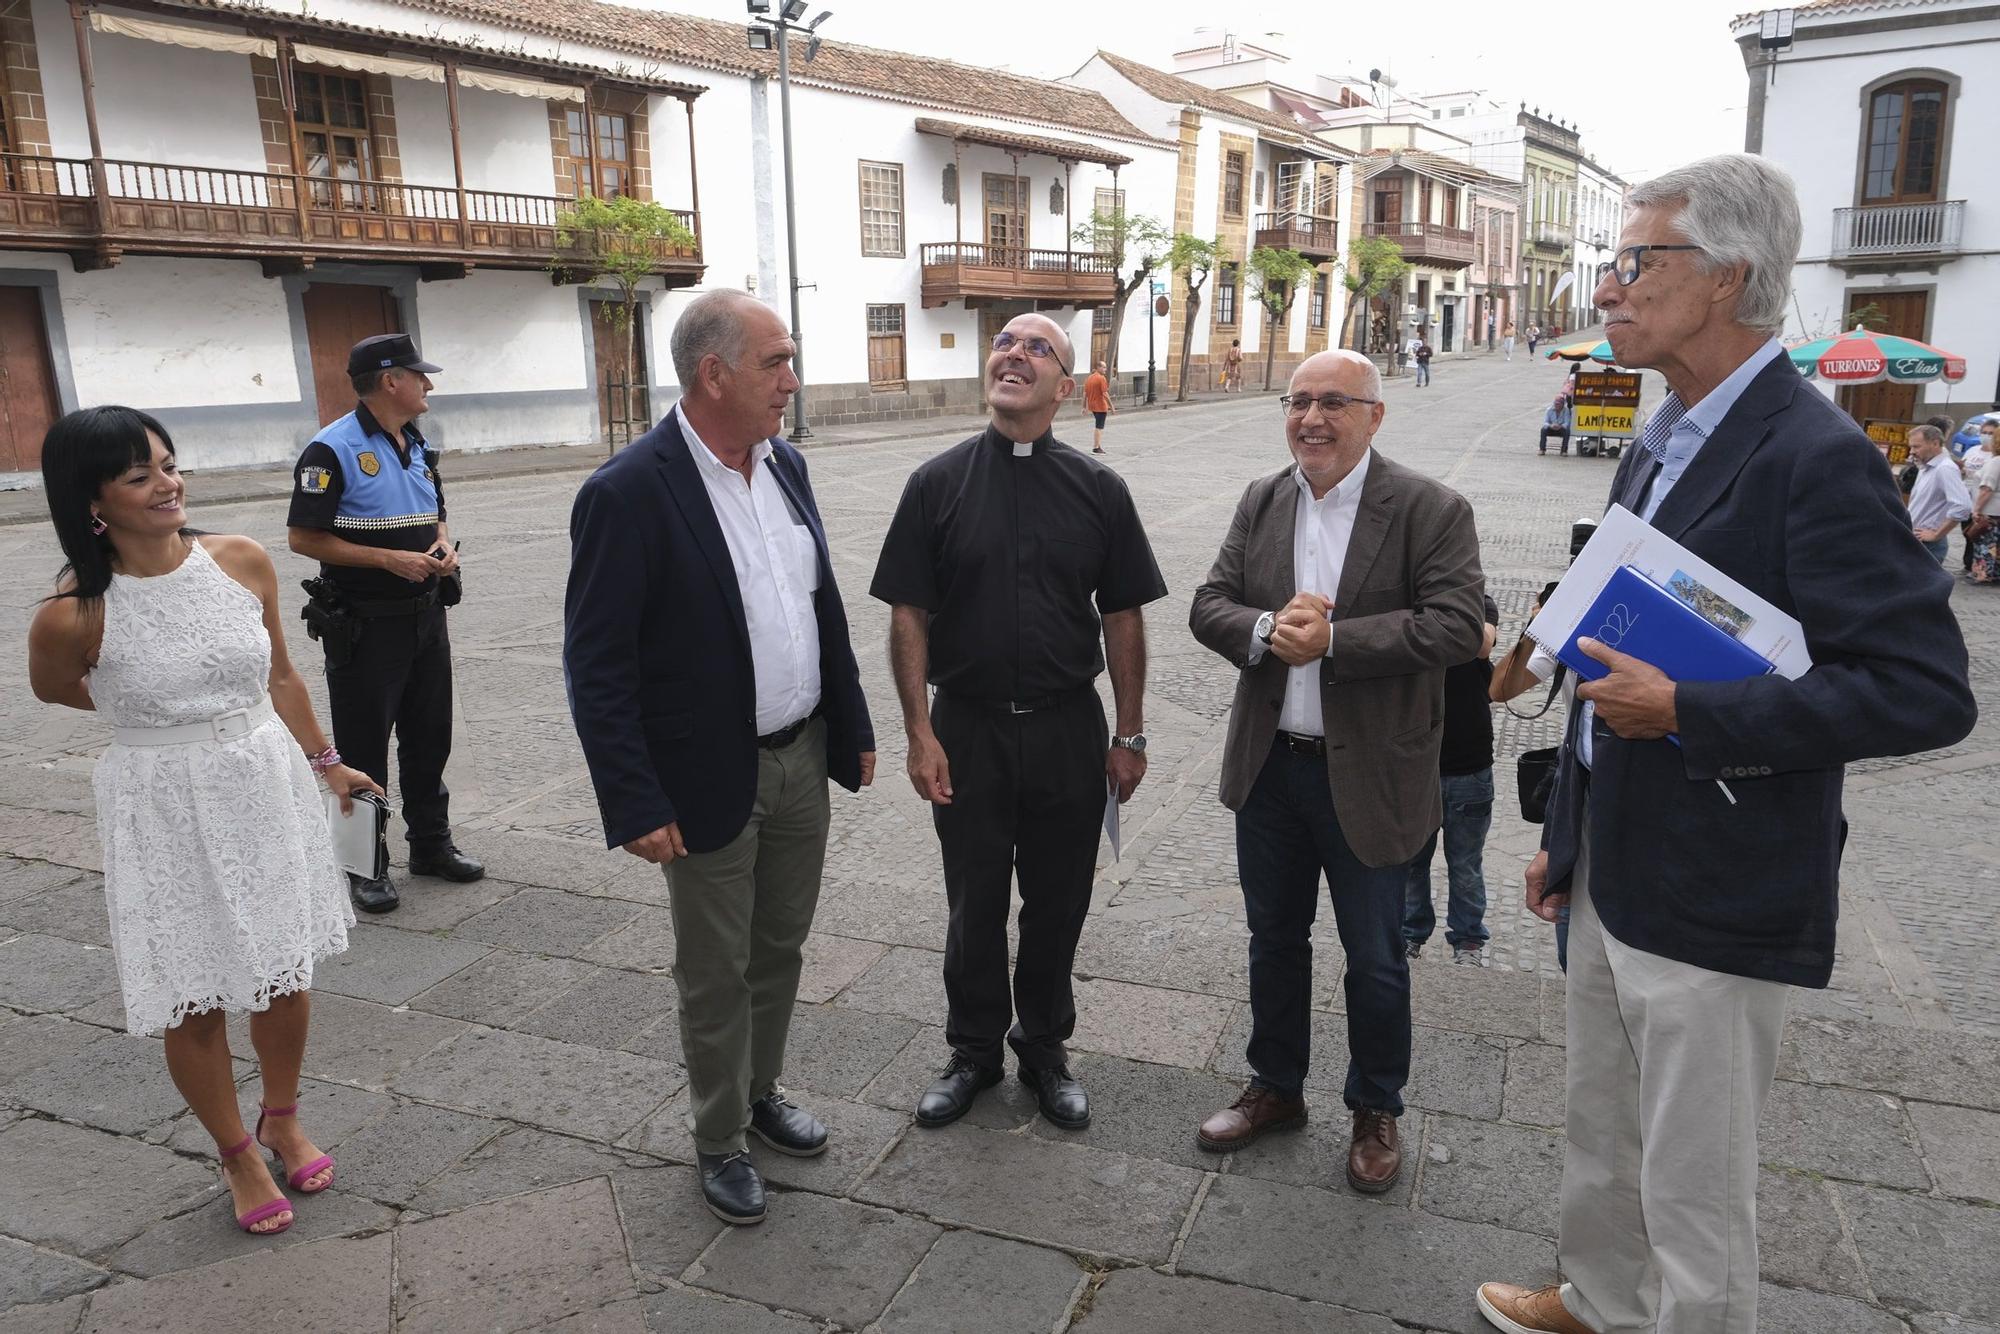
x=1528, y=1311
x=1375, y=1158
x=1243, y=1121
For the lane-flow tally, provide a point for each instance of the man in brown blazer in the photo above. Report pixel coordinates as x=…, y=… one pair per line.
x=1345, y=588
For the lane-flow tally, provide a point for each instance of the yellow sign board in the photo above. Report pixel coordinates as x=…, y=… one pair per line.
x=1603, y=419
x=1891, y=437
x=1606, y=403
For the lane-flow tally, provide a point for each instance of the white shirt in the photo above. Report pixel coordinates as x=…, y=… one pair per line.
x=1972, y=463
x=1940, y=494
x=777, y=571
x=1989, y=478
x=1321, y=530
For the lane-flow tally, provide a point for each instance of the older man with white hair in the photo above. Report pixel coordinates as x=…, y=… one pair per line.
x=1695, y=830
x=1346, y=587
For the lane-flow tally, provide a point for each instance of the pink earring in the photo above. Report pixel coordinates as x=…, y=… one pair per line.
x=98, y=526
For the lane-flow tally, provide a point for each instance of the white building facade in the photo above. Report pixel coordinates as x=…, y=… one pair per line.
x=1881, y=113
x=1600, y=216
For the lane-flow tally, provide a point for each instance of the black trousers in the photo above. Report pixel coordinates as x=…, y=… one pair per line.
x=400, y=679
x=1028, y=803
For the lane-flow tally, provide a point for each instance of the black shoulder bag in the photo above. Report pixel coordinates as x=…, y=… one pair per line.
x=1535, y=770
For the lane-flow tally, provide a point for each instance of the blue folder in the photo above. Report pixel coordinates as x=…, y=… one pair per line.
x=1638, y=617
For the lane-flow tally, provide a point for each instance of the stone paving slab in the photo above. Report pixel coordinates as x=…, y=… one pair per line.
x=644, y=944
x=514, y=1163
x=75, y=911
x=329, y=1112
x=1841, y=1133
x=1141, y=1301
x=1961, y=1149
x=28, y=1042
x=58, y=1185
x=394, y=1156
x=209, y=1234
x=389, y=967
x=1802, y=1240
x=1148, y=1110
x=840, y=1051
x=47, y=973
x=557, y=1085
x=502, y=988
x=34, y=1274
x=682, y=1310
x=1948, y=1067
x=1796, y=1311
x=362, y=1043
x=1926, y=1255
x=548, y=921
x=970, y=1283
x=1483, y=1172
x=1084, y=1200
x=1008, y=1105
x=857, y=1133
x=47, y=1318
x=1534, y=1090
x=825, y=1257
x=1149, y=1023
x=667, y=1226
x=339, y=1286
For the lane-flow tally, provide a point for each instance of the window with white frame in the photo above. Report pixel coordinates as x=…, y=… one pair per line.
x=882, y=209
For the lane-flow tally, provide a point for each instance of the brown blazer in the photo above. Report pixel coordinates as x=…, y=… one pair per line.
x=1408, y=607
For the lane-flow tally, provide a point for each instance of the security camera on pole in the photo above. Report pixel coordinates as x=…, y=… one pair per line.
x=765, y=32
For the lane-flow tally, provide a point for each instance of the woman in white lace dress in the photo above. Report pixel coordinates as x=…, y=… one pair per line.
x=218, y=866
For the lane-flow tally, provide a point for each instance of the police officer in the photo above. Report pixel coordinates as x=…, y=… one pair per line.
x=367, y=504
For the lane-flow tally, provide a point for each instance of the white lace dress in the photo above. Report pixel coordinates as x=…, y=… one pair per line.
x=218, y=867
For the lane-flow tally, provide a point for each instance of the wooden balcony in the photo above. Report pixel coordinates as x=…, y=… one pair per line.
x=973, y=273
x=1427, y=243
x=1313, y=236
x=289, y=222
x=1898, y=236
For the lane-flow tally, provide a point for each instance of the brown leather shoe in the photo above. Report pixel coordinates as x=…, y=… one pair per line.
x=1528, y=1311
x=1375, y=1158
x=1243, y=1121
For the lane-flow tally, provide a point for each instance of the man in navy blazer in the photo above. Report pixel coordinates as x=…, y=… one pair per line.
x=714, y=688
x=1703, y=877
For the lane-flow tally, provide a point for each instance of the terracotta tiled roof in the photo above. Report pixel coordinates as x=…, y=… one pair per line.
x=1186, y=92
x=1072, y=150
x=660, y=35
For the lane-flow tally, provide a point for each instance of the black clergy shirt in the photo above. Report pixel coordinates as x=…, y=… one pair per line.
x=1015, y=557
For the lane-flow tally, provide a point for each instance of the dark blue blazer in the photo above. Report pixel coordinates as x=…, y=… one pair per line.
x=1789, y=497
x=656, y=650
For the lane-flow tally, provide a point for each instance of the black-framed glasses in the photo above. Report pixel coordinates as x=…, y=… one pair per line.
x=1297, y=405
x=1625, y=264
x=1041, y=349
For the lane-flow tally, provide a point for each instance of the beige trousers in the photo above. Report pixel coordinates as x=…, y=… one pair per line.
x=1668, y=1068
x=741, y=915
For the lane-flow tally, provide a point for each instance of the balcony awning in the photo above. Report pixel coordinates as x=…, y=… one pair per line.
x=1067, y=150
x=174, y=34
x=355, y=62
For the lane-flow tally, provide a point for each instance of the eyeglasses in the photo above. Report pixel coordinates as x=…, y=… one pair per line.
x=1625, y=265
x=1298, y=405
x=1041, y=349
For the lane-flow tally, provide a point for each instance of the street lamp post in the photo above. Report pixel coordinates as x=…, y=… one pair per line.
x=767, y=31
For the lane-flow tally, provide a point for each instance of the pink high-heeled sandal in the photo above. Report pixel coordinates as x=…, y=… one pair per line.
x=248, y=1222
x=297, y=1180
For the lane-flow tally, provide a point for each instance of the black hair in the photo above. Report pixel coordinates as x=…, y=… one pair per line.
x=81, y=452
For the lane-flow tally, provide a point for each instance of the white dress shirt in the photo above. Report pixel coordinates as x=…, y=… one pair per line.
x=1321, y=530
x=777, y=571
x=1940, y=494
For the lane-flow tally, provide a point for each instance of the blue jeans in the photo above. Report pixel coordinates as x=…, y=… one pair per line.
x=1423, y=373
x=1468, y=814
x=1287, y=834
x=1939, y=549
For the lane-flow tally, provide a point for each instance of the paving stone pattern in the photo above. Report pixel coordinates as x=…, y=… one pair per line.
x=497, y=1066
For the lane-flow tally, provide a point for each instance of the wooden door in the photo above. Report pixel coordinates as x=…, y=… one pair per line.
x=1389, y=201
x=624, y=409
x=1006, y=220
x=1904, y=314
x=339, y=315
x=28, y=404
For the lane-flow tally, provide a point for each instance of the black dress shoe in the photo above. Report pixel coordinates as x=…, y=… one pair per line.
x=951, y=1096
x=446, y=863
x=731, y=1187
x=786, y=1126
x=1060, y=1097
x=376, y=895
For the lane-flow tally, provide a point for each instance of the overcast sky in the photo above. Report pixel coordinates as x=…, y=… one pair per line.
x=1650, y=84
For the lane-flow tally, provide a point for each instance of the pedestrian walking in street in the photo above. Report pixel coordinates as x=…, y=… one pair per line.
x=1982, y=534
x=219, y=871
x=714, y=689
x=368, y=505
x=1331, y=759
x=1232, y=368
x=1010, y=558
x=1507, y=340
x=1097, y=398
x=1534, y=337
x=1970, y=465
x=1422, y=352
x=1939, y=502
x=1465, y=783
x=1703, y=876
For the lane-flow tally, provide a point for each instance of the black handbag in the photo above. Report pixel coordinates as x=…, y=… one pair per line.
x=1535, y=770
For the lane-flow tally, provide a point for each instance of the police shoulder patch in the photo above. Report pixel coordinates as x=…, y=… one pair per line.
x=369, y=463
x=314, y=481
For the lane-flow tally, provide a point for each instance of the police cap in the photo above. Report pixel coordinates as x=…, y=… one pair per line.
x=385, y=350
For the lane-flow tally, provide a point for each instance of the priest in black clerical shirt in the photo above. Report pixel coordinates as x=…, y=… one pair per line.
x=1009, y=553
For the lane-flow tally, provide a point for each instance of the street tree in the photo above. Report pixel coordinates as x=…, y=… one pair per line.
x=1137, y=239
x=619, y=240
x=1277, y=275
x=1374, y=264
x=1193, y=258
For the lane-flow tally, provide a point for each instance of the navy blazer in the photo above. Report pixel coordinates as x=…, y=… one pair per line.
x=656, y=649
x=1789, y=497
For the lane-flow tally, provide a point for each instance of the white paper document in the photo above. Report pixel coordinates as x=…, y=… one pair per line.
x=1623, y=538
x=1111, y=816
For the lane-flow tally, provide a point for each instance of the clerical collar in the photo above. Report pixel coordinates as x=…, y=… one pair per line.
x=1021, y=449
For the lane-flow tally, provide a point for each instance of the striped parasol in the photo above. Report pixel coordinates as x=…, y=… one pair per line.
x=1864, y=357
x=1598, y=351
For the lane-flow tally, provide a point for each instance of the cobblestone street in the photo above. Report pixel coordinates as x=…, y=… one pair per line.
x=496, y=1065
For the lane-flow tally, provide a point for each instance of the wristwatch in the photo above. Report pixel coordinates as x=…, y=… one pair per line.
x=1136, y=743
x=1266, y=624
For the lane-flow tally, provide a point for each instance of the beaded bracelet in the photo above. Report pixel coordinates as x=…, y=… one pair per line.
x=323, y=761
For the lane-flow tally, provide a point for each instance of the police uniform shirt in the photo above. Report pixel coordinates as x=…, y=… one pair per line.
x=1006, y=546
x=354, y=481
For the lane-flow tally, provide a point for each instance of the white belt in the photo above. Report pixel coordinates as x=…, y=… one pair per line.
x=223, y=727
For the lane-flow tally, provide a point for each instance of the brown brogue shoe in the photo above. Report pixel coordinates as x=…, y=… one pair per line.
x=1521, y=1310
x=1375, y=1158
x=1243, y=1121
